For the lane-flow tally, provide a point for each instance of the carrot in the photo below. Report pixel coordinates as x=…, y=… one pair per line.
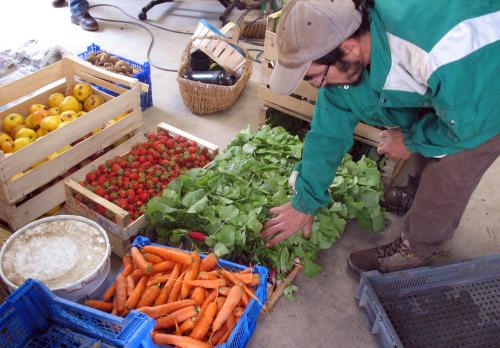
x=180, y=341
x=149, y=296
x=209, y=262
x=121, y=293
x=210, y=298
x=224, y=291
x=174, y=293
x=207, y=276
x=179, y=315
x=140, y=262
x=230, y=322
x=229, y=276
x=127, y=270
x=167, y=287
x=244, y=299
x=224, y=337
x=208, y=284
x=217, y=335
x=238, y=311
x=134, y=298
x=127, y=260
x=163, y=266
x=203, y=325
x=198, y=295
x=246, y=270
x=249, y=279
x=154, y=259
x=187, y=325
x=115, y=309
x=174, y=255
x=159, y=279
x=231, y=302
x=130, y=285
x=191, y=274
x=220, y=302
x=100, y=305
x=109, y=293
x=165, y=309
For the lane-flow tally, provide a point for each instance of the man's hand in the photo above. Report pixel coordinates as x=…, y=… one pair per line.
x=287, y=222
x=392, y=144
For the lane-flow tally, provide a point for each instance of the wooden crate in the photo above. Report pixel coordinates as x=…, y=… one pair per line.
x=20, y=199
x=121, y=231
x=301, y=103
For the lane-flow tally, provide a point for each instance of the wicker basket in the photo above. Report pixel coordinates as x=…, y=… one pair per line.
x=202, y=98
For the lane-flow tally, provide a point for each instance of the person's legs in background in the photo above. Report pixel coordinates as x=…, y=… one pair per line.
x=80, y=15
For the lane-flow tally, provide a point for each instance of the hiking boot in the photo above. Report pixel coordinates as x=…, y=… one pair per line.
x=398, y=199
x=59, y=3
x=85, y=21
x=391, y=257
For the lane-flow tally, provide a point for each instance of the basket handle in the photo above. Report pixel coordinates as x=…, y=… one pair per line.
x=236, y=32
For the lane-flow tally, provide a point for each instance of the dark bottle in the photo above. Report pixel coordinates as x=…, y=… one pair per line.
x=221, y=78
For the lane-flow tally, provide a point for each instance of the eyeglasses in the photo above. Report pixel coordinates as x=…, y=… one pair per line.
x=323, y=77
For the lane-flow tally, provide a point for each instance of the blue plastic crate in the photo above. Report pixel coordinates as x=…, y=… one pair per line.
x=456, y=305
x=246, y=325
x=33, y=316
x=144, y=75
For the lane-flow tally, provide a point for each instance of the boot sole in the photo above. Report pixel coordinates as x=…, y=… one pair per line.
x=353, y=268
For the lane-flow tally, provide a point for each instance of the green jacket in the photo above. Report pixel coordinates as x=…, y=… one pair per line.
x=439, y=54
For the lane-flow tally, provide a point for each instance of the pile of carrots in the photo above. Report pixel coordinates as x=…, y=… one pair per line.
x=196, y=303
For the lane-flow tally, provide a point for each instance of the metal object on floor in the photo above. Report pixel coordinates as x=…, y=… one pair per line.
x=228, y=4
x=456, y=305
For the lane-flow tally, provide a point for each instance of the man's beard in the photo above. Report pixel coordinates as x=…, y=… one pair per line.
x=354, y=71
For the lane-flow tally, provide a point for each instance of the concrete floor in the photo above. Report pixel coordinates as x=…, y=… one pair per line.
x=325, y=313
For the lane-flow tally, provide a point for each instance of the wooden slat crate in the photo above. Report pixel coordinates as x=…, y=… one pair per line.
x=303, y=100
x=21, y=200
x=121, y=231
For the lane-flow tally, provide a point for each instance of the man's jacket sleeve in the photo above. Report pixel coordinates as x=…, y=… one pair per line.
x=330, y=137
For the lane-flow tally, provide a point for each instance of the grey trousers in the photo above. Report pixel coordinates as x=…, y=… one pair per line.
x=445, y=187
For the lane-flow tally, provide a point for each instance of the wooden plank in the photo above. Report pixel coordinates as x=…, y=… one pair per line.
x=278, y=292
x=304, y=89
x=39, y=97
x=69, y=73
x=68, y=134
x=31, y=83
x=18, y=216
x=214, y=149
x=287, y=102
x=108, y=85
x=270, y=49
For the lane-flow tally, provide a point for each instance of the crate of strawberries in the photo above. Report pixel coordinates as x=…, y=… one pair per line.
x=114, y=192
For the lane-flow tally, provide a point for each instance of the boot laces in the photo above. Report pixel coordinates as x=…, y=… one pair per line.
x=396, y=246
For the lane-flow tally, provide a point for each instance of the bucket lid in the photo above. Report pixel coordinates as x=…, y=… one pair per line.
x=59, y=251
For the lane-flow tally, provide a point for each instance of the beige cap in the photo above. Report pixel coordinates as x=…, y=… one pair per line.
x=308, y=30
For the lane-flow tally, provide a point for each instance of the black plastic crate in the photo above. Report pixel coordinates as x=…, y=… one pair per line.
x=452, y=306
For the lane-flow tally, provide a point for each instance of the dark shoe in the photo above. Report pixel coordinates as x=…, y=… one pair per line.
x=398, y=199
x=85, y=21
x=391, y=257
x=59, y=3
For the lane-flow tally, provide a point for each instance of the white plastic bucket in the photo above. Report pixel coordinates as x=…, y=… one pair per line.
x=78, y=289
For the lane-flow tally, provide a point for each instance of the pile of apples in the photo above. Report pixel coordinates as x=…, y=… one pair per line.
x=19, y=131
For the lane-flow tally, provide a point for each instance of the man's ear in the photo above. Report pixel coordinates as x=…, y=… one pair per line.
x=350, y=46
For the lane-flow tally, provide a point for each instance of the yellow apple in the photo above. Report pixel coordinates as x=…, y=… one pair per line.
x=54, y=111
x=55, y=99
x=7, y=146
x=80, y=113
x=12, y=120
x=40, y=132
x=20, y=143
x=38, y=116
x=81, y=91
x=50, y=123
x=68, y=116
x=93, y=101
x=16, y=129
x=4, y=137
x=36, y=107
x=28, y=133
x=70, y=103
